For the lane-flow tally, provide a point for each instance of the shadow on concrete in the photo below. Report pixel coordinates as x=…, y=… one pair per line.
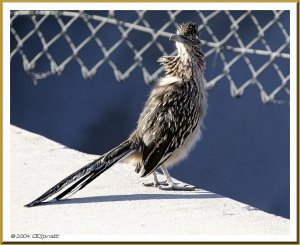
x=134, y=197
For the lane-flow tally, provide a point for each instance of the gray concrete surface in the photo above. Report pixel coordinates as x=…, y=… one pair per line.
x=117, y=207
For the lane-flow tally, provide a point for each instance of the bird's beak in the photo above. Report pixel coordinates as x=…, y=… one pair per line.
x=177, y=38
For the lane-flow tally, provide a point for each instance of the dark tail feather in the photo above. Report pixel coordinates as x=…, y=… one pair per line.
x=86, y=174
x=80, y=184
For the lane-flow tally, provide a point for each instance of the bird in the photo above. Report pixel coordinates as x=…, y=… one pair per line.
x=169, y=125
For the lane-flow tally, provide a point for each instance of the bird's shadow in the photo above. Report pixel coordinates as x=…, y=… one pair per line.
x=133, y=197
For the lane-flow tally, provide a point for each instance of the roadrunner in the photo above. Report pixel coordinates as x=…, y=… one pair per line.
x=168, y=127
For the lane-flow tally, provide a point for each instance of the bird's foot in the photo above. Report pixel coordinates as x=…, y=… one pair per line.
x=177, y=187
x=156, y=184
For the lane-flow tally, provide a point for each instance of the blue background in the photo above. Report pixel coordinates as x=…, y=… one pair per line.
x=244, y=153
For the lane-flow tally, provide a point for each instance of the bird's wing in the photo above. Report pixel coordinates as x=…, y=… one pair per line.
x=157, y=151
x=159, y=136
x=168, y=118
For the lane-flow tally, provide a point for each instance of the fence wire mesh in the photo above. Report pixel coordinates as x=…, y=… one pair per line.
x=246, y=48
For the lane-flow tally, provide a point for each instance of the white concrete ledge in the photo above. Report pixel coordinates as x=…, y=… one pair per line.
x=117, y=207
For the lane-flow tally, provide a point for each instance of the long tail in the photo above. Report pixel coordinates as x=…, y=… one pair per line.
x=85, y=175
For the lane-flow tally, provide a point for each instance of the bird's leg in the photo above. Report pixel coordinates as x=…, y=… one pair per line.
x=174, y=186
x=156, y=182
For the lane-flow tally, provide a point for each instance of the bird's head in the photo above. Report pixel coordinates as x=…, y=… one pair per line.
x=187, y=35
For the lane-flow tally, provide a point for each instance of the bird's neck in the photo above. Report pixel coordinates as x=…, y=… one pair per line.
x=187, y=64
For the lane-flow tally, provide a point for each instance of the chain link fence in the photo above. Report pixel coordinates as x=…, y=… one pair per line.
x=246, y=48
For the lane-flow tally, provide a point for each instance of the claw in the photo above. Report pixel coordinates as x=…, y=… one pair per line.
x=156, y=184
x=178, y=187
x=168, y=184
x=150, y=184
